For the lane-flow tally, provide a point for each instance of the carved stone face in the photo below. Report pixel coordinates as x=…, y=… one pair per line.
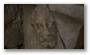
x=46, y=30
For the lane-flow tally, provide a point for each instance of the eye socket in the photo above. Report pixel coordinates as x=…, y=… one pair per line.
x=40, y=25
x=37, y=25
x=32, y=25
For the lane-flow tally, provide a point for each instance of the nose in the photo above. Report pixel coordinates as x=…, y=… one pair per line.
x=46, y=31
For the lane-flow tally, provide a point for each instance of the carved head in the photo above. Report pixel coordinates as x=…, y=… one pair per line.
x=45, y=27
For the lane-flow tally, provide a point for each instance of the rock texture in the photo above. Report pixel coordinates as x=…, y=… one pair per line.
x=41, y=26
x=13, y=28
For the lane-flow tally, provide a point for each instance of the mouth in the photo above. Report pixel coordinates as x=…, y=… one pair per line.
x=48, y=44
x=48, y=41
x=45, y=37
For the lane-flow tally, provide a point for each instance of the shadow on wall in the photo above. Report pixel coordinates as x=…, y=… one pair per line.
x=80, y=40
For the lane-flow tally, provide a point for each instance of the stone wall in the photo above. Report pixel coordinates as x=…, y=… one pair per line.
x=41, y=26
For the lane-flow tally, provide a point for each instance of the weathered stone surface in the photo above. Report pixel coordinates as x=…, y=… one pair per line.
x=69, y=19
x=43, y=26
x=73, y=10
x=13, y=29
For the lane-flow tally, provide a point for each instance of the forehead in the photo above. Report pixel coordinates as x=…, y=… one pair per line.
x=42, y=15
x=43, y=20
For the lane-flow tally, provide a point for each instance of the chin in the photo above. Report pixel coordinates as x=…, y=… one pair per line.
x=49, y=44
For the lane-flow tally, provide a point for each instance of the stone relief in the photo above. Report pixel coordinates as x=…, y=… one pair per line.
x=43, y=26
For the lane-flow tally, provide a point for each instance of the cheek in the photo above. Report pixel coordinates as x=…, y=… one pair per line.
x=40, y=30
